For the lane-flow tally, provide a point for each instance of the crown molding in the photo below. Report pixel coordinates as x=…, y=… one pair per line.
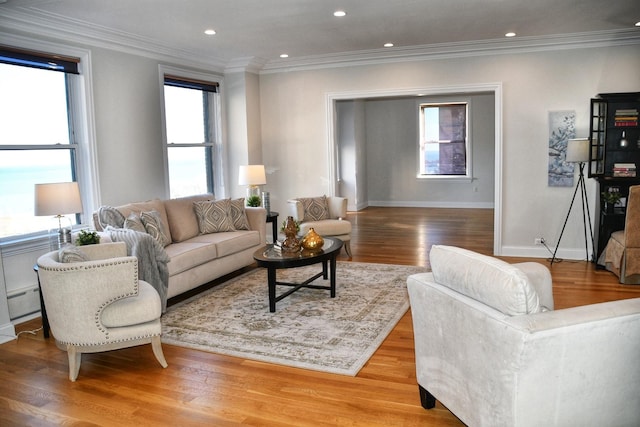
x=247, y=64
x=457, y=50
x=58, y=27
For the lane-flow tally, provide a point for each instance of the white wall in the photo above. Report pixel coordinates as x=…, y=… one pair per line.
x=392, y=156
x=533, y=84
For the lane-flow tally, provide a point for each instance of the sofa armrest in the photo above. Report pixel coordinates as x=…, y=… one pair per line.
x=258, y=221
x=337, y=207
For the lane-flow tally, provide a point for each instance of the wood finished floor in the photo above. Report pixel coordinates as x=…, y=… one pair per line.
x=128, y=387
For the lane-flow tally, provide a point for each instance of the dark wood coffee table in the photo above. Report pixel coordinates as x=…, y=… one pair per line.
x=273, y=259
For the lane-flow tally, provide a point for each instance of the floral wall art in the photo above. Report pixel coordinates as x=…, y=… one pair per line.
x=562, y=128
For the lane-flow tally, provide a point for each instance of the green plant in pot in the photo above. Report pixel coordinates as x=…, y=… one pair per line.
x=87, y=238
x=610, y=199
x=253, y=201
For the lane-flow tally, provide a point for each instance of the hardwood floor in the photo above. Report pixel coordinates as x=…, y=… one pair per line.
x=128, y=387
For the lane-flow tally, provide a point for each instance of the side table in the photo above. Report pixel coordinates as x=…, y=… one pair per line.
x=272, y=217
x=43, y=310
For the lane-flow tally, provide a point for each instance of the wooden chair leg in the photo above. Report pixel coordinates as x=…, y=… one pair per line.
x=156, y=345
x=75, y=358
x=347, y=248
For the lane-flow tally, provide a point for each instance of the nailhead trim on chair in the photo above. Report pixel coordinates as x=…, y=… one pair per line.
x=111, y=342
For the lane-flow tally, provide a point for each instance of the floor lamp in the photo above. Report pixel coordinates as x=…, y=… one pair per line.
x=578, y=152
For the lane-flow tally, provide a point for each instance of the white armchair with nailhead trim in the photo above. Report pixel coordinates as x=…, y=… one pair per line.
x=99, y=304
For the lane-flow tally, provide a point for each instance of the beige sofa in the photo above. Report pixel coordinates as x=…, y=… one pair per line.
x=196, y=259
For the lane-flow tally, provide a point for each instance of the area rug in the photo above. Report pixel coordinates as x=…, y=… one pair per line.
x=309, y=329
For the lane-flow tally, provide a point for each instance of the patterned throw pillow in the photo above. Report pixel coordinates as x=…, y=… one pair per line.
x=214, y=216
x=108, y=215
x=133, y=222
x=315, y=208
x=71, y=253
x=239, y=215
x=155, y=227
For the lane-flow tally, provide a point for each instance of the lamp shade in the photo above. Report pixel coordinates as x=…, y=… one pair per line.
x=578, y=150
x=57, y=199
x=252, y=175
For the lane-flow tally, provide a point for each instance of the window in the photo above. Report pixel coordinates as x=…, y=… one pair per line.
x=191, y=109
x=36, y=136
x=444, y=142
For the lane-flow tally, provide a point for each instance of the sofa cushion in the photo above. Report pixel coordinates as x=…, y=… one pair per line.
x=214, y=216
x=327, y=227
x=315, y=208
x=230, y=242
x=486, y=279
x=155, y=227
x=239, y=215
x=189, y=254
x=181, y=216
x=151, y=205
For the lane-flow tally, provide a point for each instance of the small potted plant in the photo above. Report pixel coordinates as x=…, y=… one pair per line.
x=253, y=201
x=87, y=238
x=610, y=199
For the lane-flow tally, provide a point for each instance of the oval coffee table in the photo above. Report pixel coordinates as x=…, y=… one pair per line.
x=273, y=259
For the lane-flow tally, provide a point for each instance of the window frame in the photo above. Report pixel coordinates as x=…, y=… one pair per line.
x=421, y=104
x=216, y=181
x=80, y=114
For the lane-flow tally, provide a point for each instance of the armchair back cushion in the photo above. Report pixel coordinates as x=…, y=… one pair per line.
x=489, y=280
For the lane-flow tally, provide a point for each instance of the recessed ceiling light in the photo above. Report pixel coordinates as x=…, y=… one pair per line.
x=638, y=24
x=510, y=34
x=388, y=45
x=284, y=55
x=210, y=32
x=339, y=13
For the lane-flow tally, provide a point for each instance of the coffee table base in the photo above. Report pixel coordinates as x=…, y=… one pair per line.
x=330, y=271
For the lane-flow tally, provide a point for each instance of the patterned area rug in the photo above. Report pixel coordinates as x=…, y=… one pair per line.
x=308, y=330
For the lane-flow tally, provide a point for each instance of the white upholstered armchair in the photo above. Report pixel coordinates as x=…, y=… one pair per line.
x=96, y=303
x=490, y=347
x=325, y=214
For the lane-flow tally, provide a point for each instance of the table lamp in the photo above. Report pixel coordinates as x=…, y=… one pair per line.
x=252, y=176
x=58, y=199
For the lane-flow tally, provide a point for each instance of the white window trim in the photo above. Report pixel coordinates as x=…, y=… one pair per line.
x=468, y=177
x=220, y=181
x=84, y=122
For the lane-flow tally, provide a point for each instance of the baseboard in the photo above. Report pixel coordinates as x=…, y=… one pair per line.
x=7, y=333
x=424, y=204
x=542, y=252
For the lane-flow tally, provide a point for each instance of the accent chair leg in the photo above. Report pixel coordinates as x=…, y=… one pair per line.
x=156, y=345
x=347, y=248
x=426, y=399
x=75, y=358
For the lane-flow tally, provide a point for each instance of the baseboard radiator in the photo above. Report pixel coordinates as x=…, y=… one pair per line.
x=23, y=302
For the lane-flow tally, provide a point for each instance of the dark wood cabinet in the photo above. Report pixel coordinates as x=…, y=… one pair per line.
x=613, y=158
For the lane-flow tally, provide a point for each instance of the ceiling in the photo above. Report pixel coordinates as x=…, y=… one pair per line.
x=262, y=30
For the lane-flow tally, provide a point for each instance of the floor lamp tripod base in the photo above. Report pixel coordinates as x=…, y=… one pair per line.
x=586, y=216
